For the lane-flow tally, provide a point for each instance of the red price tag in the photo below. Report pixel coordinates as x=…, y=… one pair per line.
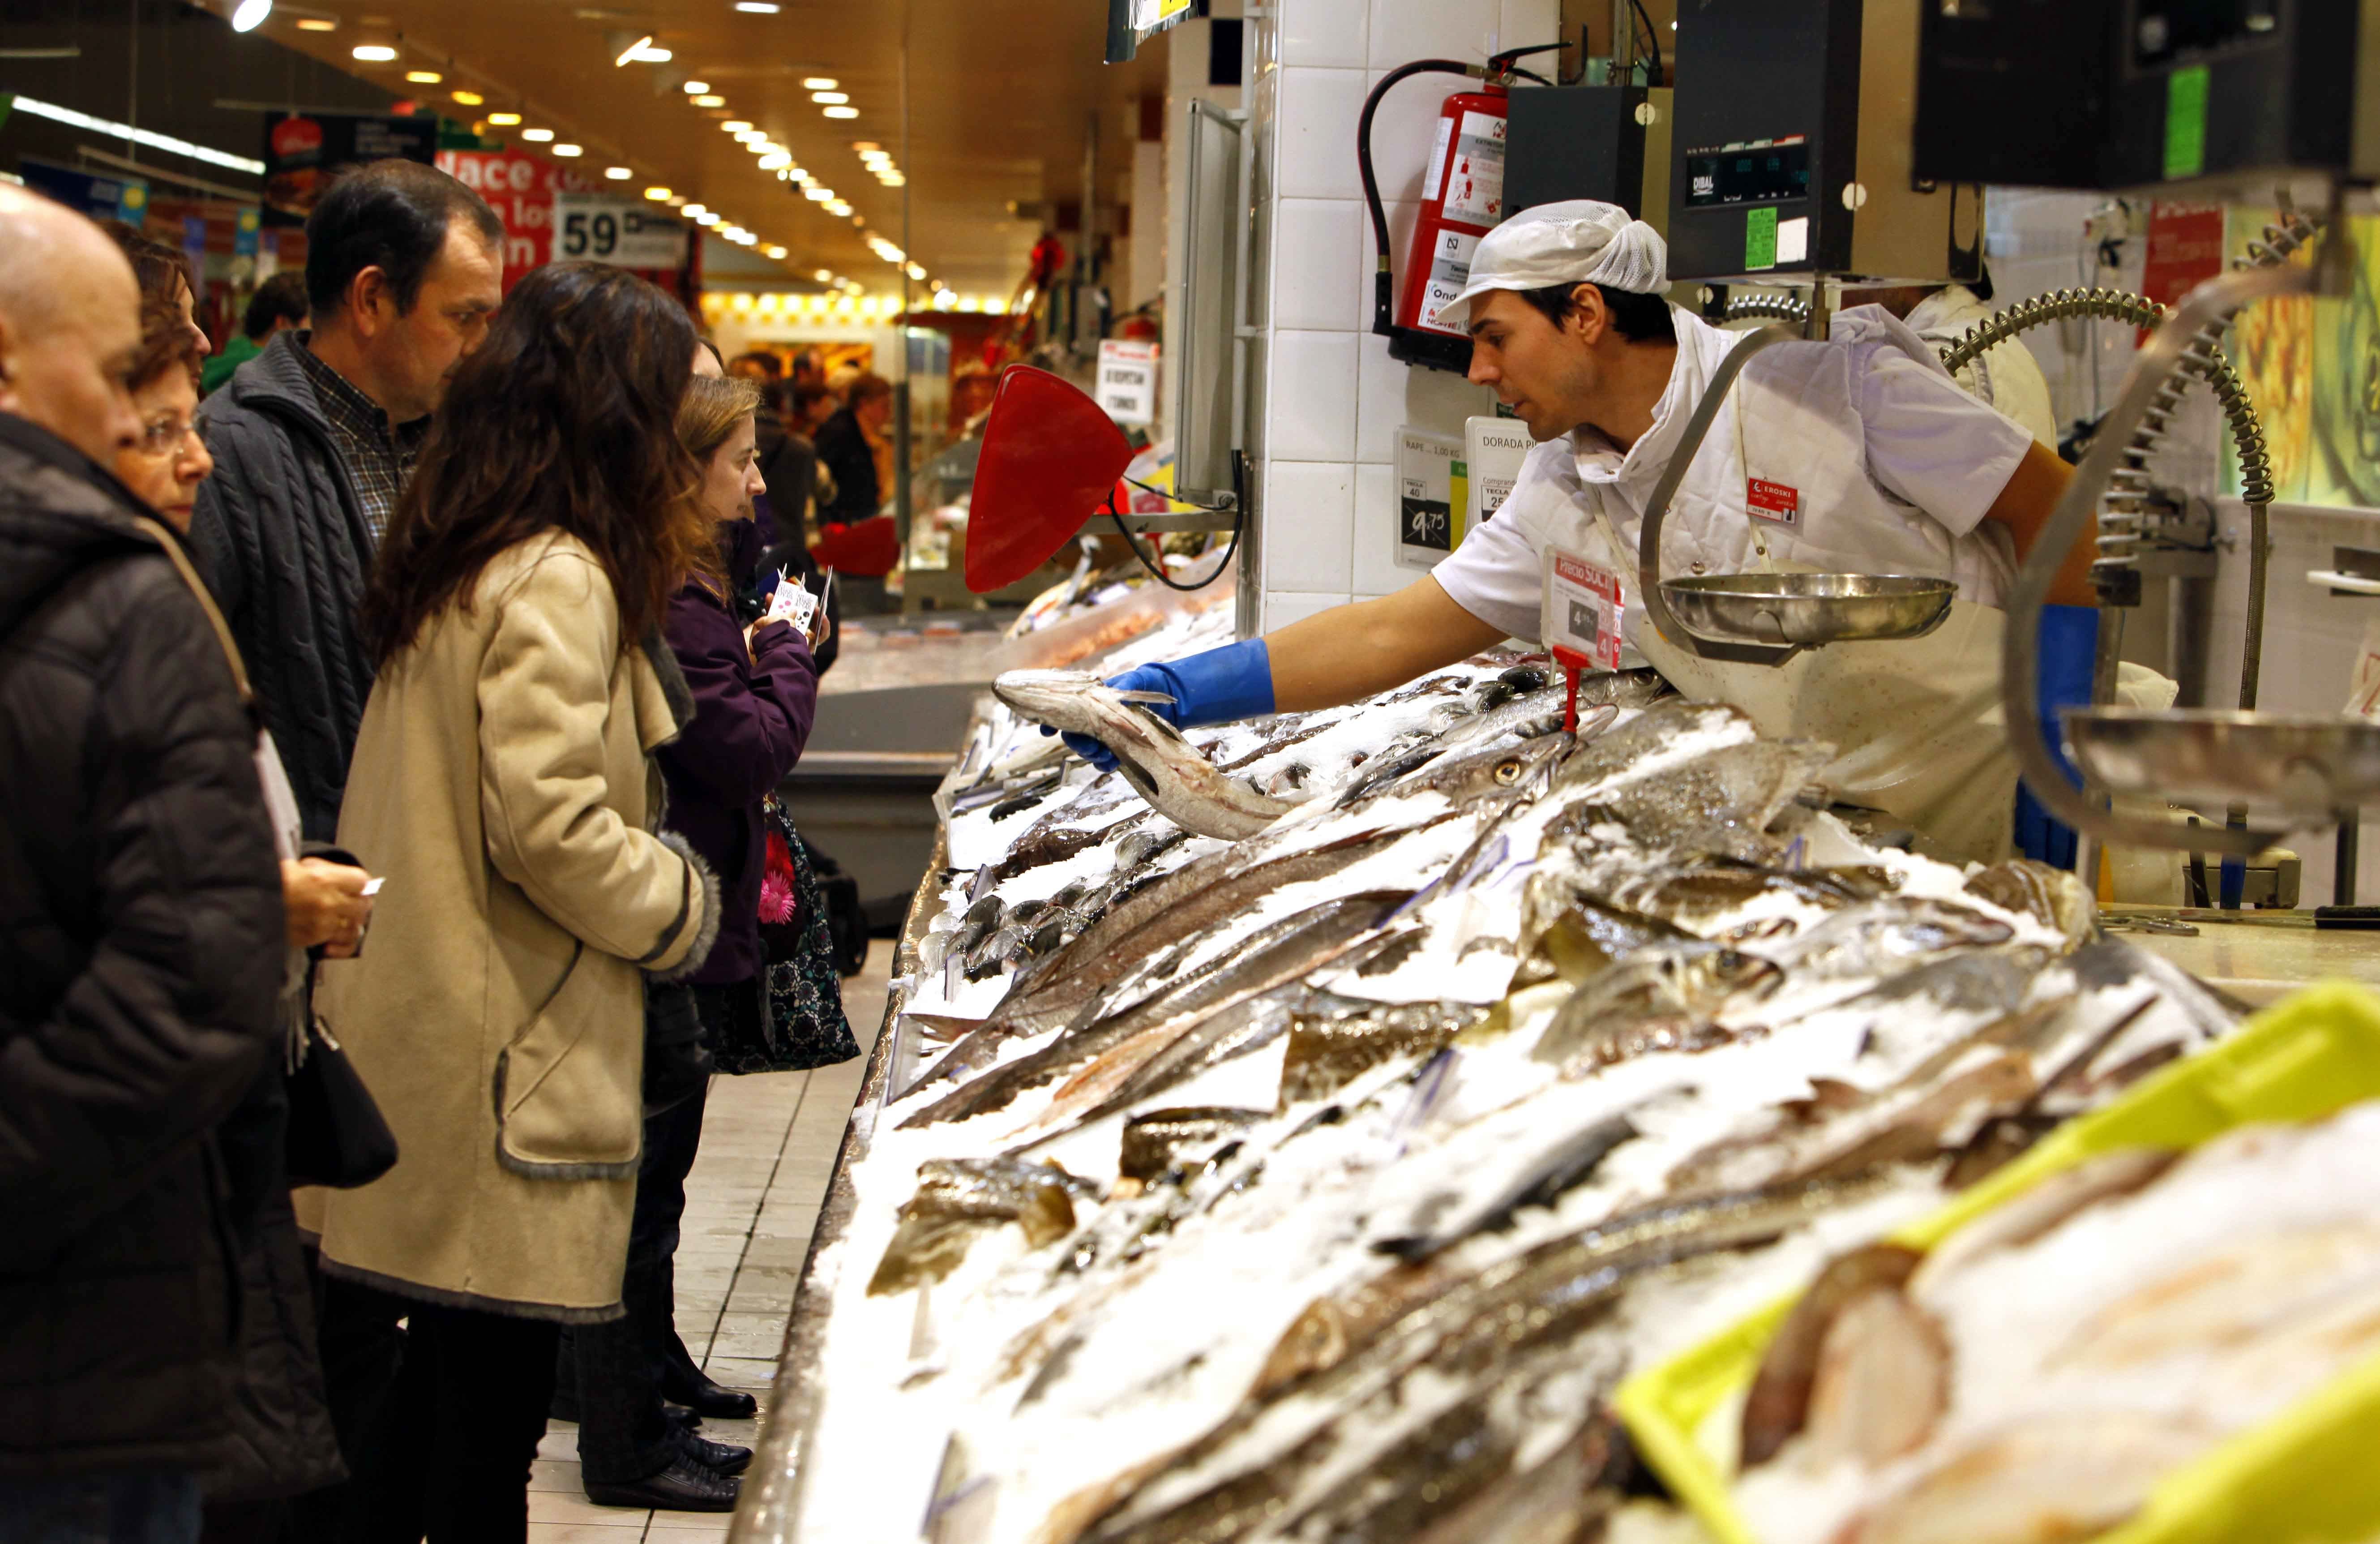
x=1582, y=612
x=1774, y=502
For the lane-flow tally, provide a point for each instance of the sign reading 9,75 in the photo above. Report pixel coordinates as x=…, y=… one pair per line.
x=607, y=229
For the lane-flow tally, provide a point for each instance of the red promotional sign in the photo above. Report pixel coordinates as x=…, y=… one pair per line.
x=1773, y=501
x=520, y=190
x=2185, y=249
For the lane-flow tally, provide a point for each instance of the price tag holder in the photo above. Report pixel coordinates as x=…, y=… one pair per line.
x=1584, y=610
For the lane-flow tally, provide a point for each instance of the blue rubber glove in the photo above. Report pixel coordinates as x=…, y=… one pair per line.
x=2069, y=643
x=1233, y=682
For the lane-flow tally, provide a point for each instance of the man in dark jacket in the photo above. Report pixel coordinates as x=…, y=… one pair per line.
x=140, y=933
x=314, y=441
x=844, y=445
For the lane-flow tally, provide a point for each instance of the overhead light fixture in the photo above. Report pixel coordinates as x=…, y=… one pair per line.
x=469, y=99
x=374, y=53
x=758, y=7
x=166, y=142
x=821, y=275
x=424, y=76
x=776, y=161
x=820, y=83
x=775, y=253
x=837, y=208
x=867, y=147
x=694, y=211
x=841, y=111
x=893, y=179
x=568, y=150
x=250, y=15
x=710, y=102
x=706, y=219
x=736, y=125
x=629, y=55
x=872, y=155
x=504, y=120
x=658, y=195
x=317, y=24
x=751, y=136
x=835, y=99
x=816, y=193
x=651, y=56
x=537, y=136
x=618, y=173
x=695, y=88
x=918, y=271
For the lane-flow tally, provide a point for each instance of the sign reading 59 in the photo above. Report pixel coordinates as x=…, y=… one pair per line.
x=606, y=229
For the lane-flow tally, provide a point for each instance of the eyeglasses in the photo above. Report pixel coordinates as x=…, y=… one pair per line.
x=164, y=434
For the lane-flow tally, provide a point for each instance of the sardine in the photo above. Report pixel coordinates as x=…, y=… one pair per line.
x=1150, y=754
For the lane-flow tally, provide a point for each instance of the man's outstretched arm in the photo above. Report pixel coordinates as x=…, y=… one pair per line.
x=1353, y=650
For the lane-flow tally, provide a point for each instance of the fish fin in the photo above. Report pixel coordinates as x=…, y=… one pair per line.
x=1145, y=696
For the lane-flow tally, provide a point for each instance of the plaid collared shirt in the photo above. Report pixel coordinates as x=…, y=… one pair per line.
x=379, y=456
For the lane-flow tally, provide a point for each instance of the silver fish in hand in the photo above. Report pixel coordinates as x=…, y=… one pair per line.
x=1150, y=753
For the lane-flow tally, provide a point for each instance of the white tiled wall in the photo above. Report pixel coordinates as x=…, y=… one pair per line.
x=1326, y=400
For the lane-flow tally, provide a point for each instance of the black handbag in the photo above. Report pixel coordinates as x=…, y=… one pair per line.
x=795, y=1021
x=678, y=1059
x=336, y=1135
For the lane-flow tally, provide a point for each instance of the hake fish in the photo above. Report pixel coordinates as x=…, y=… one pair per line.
x=1150, y=753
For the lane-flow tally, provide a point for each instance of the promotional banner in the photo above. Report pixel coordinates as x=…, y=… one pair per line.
x=520, y=190
x=101, y=198
x=304, y=152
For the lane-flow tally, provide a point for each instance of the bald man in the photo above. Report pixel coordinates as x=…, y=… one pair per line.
x=141, y=961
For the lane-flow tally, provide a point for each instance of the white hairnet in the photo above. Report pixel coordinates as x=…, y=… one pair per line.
x=1577, y=241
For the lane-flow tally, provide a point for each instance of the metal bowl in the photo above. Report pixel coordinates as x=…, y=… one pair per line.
x=1808, y=608
x=2311, y=764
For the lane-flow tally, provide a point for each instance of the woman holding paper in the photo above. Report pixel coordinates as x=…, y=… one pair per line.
x=754, y=694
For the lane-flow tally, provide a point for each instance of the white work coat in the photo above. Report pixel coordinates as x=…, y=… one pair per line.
x=1858, y=455
x=2006, y=376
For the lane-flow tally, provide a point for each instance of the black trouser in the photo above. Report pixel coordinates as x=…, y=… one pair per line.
x=363, y=1347
x=447, y=1454
x=620, y=1366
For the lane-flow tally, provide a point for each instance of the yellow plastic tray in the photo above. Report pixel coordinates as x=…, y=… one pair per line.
x=2307, y=1476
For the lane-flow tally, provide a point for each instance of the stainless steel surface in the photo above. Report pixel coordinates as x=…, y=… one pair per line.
x=1200, y=382
x=2311, y=764
x=1808, y=608
x=2145, y=391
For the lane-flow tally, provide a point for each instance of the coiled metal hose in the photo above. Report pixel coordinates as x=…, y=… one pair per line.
x=1780, y=308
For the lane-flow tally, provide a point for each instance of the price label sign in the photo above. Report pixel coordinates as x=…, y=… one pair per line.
x=1127, y=381
x=626, y=232
x=1582, y=612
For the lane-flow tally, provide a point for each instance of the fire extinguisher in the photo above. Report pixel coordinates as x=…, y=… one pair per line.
x=1462, y=200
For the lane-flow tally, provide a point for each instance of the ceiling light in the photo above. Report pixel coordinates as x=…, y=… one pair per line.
x=710, y=102
x=641, y=51
x=894, y=179
x=374, y=53
x=837, y=208
x=918, y=271
x=758, y=7
x=504, y=120
x=841, y=111
x=737, y=126
x=817, y=194
x=250, y=15
x=694, y=211
x=706, y=218
x=658, y=195
x=537, y=136
x=874, y=156
x=820, y=83
x=821, y=275
x=469, y=99
x=751, y=136
x=651, y=56
x=777, y=253
x=317, y=24
x=618, y=173
x=73, y=119
x=424, y=76
x=775, y=162
x=832, y=98
x=695, y=88
x=867, y=147
x=568, y=150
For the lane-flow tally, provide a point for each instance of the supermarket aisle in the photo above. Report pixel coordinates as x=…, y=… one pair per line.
x=767, y=1145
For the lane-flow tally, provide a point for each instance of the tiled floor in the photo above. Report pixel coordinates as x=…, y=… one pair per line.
x=767, y=1145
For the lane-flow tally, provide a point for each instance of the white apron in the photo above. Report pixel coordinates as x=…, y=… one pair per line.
x=1916, y=722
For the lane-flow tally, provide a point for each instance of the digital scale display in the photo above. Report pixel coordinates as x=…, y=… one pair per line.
x=1760, y=172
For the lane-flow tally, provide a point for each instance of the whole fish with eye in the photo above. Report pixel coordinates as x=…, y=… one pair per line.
x=1150, y=753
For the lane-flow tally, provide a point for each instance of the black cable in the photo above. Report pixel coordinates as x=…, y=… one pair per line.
x=1157, y=570
x=1652, y=40
x=1384, y=302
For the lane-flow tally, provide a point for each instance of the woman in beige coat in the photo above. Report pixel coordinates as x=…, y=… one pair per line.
x=502, y=784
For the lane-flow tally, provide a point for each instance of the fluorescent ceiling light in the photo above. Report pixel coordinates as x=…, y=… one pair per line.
x=424, y=76
x=758, y=7
x=751, y=137
x=618, y=173
x=776, y=253
x=651, y=56
x=776, y=161
x=830, y=98
x=837, y=208
x=317, y=24
x=893, y=179
x=658, y=195
x=568, y=150
x=706, y=218
x=710, y=102
x=630, y=52
x=469, y=99
x=695, y=88
x=504, y=120
x=374, y=53
x=537, y=136
x=694, y=211
x=820, y=83
x=841, y=111
x=817, y=194
x=918, y=271
x=820, y=275
x=736, y=125
x=250, y=15
x=73, y=119
x=867, y=147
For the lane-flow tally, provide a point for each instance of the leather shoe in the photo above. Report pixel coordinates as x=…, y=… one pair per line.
x=684, y=1486
x=706, y=1398
x=719, y=1458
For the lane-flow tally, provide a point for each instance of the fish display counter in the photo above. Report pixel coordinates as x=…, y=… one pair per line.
x=1300, y=1132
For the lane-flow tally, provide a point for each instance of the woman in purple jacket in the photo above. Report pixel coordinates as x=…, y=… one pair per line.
x=755, y=690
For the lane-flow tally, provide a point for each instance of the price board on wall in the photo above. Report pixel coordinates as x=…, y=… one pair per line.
x=606, y=228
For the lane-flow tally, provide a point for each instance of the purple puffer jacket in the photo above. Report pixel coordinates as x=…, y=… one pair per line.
x=752, y=716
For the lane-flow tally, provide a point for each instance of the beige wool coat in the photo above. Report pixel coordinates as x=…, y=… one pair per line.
x=502, y=785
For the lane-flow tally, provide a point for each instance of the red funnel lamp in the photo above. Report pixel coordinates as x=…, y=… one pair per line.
x=1050, y=460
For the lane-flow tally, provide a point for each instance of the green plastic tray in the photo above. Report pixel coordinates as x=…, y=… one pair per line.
x=2309, y=1476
